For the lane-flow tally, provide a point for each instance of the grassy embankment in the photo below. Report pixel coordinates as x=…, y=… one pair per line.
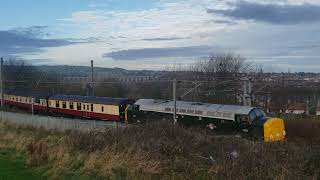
x=14, y=167
x=161, y=151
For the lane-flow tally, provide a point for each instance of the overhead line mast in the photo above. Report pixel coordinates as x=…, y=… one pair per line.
x=175, y=101
x=1, y=82
x=92, y=85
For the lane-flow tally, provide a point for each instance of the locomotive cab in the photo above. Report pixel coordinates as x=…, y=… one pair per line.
x=132, y=113
x=270, y=129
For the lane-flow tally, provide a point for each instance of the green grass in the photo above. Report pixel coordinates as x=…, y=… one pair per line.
x=12, y=166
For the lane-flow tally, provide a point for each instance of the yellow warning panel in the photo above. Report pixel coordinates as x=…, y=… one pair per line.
x=274, y=130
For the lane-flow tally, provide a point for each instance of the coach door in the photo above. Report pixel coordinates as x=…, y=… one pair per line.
x=86, y=108
x=91, y=111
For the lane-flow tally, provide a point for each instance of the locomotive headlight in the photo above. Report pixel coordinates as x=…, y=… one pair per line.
x=271, y=137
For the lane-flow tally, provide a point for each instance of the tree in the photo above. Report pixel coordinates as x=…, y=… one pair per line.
x=222, y=73
x=19, y=75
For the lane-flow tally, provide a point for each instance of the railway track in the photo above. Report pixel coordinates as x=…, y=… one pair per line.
x=56, y=123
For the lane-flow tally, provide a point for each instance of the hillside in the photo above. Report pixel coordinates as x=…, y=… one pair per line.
x=86, y=70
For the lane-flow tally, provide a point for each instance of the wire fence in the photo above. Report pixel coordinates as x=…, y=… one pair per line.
x=56, y=123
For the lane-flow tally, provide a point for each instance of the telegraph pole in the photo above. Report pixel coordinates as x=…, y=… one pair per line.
x=60, y=86
x=92, y=86
x=1, y=82
x=174, y=101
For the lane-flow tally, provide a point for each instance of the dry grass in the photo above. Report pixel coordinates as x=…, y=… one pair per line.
x=163, y=151
x=303, y=128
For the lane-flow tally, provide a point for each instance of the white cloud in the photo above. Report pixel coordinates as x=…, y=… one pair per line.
x=122, y=30
x=185, y=21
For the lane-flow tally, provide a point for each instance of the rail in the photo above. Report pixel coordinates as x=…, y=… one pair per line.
x=55, y=123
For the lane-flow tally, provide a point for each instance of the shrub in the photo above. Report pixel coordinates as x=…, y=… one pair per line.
x=304, y=130
x=38, y=152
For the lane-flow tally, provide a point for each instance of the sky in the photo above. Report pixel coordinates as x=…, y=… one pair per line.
x=281, y=35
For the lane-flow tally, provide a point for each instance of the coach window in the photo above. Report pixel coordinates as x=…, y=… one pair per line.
x=71, y=105
x=88, y=108
x=91, y=107
x=102, y=108
x=79, y=106
x=57, y=104
x=64, y=105
x=84, y=107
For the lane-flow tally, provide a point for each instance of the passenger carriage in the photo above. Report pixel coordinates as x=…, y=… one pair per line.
x=101, y=108
x=30, y=101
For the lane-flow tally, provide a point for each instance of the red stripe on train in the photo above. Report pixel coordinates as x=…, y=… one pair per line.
x=86, y=114
x=26, y=105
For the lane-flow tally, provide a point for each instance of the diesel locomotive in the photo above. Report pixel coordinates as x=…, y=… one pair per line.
x=243, y=118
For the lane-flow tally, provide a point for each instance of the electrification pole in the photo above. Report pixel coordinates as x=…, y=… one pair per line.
x=1, y=82
x=247, y=92
x=174, y=101
x=60, y=86
x=32, y=106
x=92, y=86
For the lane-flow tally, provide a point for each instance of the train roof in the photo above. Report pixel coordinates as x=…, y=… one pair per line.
x=90, y=99
x=37, y=95
x=217, y=111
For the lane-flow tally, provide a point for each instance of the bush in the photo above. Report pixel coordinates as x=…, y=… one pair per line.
x=38, y=152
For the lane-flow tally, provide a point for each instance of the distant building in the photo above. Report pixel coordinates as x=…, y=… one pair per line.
x=75, y=79
x=274, y=107
x=318, y=111
x=296, y=108
x=134, y=79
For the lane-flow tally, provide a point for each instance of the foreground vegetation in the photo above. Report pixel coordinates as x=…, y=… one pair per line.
x=163, y=151
x=13, y=166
